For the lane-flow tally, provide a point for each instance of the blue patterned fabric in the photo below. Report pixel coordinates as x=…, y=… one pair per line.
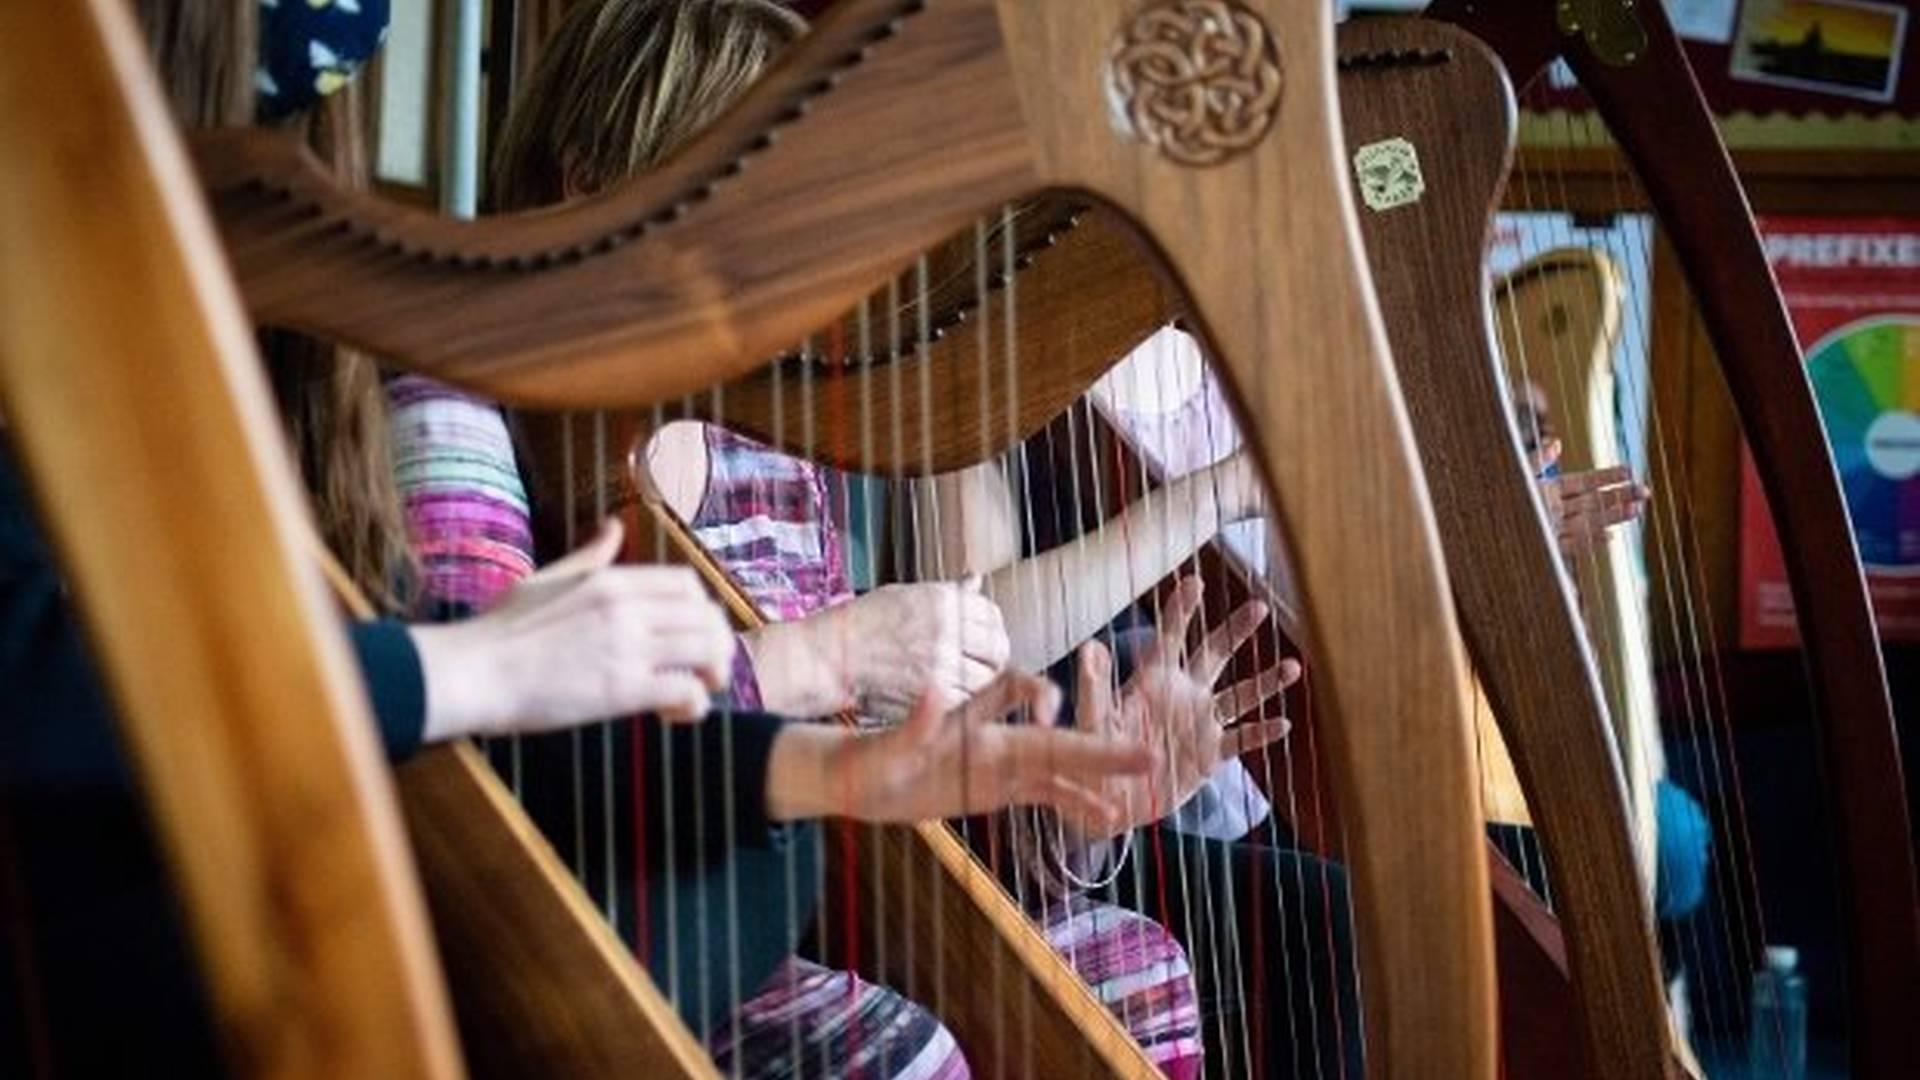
x=310, y=48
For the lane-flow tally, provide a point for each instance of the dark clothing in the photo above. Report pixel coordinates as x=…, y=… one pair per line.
x=724, y=895
x=1269, y=932
x=96, y=974
x=99, y=978
x=58, y=726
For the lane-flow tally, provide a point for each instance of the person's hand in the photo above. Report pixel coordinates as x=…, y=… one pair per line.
x=580, y=641
x=954, y=763
x=1171, y=703
x=880, y=653
x=1583, y=506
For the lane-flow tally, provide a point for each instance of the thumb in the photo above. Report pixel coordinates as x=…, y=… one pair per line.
x=1093, y=704
x=596, y=554
x=923, y=723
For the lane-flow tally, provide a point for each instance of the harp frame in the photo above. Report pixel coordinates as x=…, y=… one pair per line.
x=1646, y=93
x=296, y=877
x=887, y=129
x=1471, y=458
x=1452, y=106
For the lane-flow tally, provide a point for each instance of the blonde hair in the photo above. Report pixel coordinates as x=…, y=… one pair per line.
x=623, y=84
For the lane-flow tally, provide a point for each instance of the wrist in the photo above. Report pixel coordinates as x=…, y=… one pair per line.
x=796, y=677
x=799, y=771
x=442, y=663
x=467, y=684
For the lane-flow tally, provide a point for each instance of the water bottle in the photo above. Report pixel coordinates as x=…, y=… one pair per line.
x=1777, y=1018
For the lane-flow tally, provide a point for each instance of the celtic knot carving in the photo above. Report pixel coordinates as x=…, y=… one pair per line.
x=1199, y=79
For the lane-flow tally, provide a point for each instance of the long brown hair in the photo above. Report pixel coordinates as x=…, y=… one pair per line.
x=623, y=84
x=331, y=397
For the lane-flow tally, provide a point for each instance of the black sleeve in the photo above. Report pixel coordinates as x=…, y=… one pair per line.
x=395, y=684
x=57, y=726
x=666, y=826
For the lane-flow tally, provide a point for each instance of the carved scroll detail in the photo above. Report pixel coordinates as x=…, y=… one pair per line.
x=1198, y=79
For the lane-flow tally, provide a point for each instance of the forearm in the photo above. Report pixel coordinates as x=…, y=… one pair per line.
x=964, y=523
x=1056, y=600
x=795, y=678
x=799, y=768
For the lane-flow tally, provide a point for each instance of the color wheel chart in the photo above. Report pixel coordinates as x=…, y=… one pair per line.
x=1867, y=377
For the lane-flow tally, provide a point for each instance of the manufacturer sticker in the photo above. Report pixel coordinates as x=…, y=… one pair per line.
x=1389, y=174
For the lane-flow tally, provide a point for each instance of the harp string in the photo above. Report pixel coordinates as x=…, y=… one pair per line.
x=1026, y=888
x=923, y=347
x=1533, y=867
x=1748, y=918
x=795, y=1043
x=1674, y=536
x=1288, y=771
x=1216, y=909
x=1555, y=374
x=666, y=780
x=1670, y=551
x=985, y=358
x=608, y=802
x=1138, y=480
x=1235, y=977
x=1062, y=507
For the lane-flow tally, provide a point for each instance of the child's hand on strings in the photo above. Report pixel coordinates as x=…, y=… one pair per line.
x=1171, y=703
x=1583, y=507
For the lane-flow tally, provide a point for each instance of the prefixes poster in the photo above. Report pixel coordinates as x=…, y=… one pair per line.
x=1852, y=287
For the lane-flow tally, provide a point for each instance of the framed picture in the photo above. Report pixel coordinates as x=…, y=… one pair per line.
x=1850, y=48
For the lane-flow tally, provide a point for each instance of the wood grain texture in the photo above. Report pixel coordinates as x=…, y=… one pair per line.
x=760, y=232
x=134, y=396
x=542, y=986
x=988, y=396
x=1655, y=111
x=771, y=226
x=1281, y=299
x=1558, y=317
x=1445, y=93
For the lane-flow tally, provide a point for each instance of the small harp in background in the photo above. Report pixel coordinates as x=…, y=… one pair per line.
x=1669, y=159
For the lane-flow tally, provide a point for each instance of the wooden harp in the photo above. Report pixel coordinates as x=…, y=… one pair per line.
x=1436, y=100
x=1560, y=724
x=243, y=716
x=678, y=272
x=1443, y=91
x=1584, y=984
x=647, y=245
x=1629, y=61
